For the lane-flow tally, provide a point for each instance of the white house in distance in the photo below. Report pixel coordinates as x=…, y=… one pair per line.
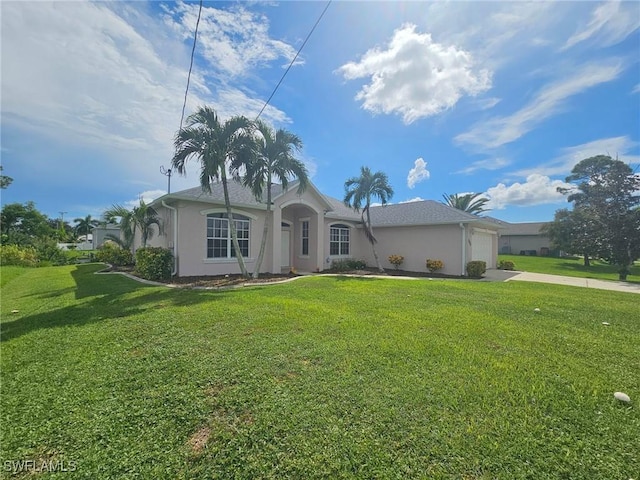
x=100, y=234
x=310, y=230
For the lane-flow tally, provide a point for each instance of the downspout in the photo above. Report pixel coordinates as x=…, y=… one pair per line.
x=464, y=248
x=174, y=270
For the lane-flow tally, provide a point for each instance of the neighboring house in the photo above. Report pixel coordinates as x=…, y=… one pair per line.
x=524, y=239
x=309, y=231
x=100, y=234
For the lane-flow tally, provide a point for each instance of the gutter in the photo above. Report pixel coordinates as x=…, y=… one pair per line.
x=174, y=270
x=464, y=247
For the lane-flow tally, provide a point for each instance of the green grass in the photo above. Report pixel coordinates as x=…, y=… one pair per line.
x=569, y=266
x=324, y=377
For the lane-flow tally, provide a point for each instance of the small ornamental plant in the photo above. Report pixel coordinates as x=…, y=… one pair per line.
x=476, y=268
x=434, y=265
x=396, y=260
x=506, y=265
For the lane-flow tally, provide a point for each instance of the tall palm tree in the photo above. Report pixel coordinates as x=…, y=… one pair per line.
x=468, y=202
x=358, y=194
x=218, y=146
x=272, y=159
x=84, y=225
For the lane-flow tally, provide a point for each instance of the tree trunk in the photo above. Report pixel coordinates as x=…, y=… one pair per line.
x=265, y=230
x=372, y=240
x=232, y=225
x=586, y=260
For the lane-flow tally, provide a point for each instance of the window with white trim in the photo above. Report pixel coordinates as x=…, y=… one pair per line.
x=339, y=240
x=219, y=244
x=305, y=237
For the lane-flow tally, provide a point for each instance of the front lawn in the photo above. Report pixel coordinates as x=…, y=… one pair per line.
x=325, y=377
x=570, y=266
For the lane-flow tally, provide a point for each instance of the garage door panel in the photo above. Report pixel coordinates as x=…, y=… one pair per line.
x=482, y=248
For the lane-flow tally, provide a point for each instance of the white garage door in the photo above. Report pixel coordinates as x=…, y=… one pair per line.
x=482, y=248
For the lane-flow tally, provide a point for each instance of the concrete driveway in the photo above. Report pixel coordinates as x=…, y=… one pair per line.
x=506, y=276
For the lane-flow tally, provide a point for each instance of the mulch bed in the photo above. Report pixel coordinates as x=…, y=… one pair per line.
x=219, y=281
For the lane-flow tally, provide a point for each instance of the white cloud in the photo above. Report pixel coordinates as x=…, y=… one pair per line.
x=570, y=156
x=91, y=80
x=536, y=190
x=415, y=77
x=636, y=89
x=148, y=197
x=488, y=164
x=498, y=131
x=487, y=103
x=414, y=199
x=611, y=22
x=418, y=173
x=234, y=41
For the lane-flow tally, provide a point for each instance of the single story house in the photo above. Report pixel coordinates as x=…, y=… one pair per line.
x=524, y=239
x=99, y=234
x=309, y=231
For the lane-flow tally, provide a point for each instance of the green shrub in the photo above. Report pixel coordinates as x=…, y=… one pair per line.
x=396, y=260
x=348, y=264
x=154, y=263
x=506, y=265
x=114, y=255
x=476, y=268
x=21, y=256
x=434, y=265
x=49, y=253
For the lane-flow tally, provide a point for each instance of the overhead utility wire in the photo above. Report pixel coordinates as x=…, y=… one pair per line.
x=294, y=59
x=193, y=50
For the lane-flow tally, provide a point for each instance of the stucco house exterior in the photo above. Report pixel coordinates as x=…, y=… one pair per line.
x=100, y=234
x=524, y=239
x=310, y=230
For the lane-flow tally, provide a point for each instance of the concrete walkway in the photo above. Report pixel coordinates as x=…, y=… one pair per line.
x=505, y=276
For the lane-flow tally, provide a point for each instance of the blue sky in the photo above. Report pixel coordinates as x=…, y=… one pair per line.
x=445, y=97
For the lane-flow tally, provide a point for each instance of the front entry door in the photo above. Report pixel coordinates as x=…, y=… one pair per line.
x=285, y=254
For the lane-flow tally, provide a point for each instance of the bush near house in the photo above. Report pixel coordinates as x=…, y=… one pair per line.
x=154, y=263
x=111, y=253
x=348, y=264
x=396, y=260
x=476, y=268
x=506, y=265
x=434, y=265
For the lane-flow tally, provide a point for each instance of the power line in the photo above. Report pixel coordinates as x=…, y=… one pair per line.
x=193, y=50
x=294, y=59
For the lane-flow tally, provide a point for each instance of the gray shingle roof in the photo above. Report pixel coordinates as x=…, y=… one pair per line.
x=426, y=212
x=340, y=211
x=238, y=195
x=529, y=228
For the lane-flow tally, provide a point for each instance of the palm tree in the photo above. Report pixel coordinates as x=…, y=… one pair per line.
x=125, y=219
x=273, y=159
x=217, y=146
x=358, y=194
x=468, y=202
x=84, y=225
x=144, y=217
